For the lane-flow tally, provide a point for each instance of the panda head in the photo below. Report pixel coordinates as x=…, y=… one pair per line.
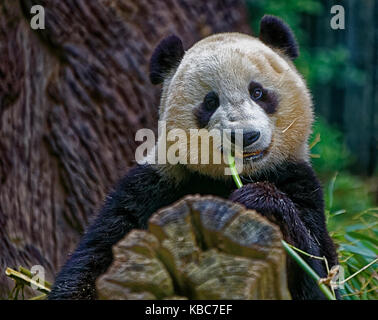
x=236, y=81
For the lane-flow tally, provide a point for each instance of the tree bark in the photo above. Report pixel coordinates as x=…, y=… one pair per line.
x=71, y=99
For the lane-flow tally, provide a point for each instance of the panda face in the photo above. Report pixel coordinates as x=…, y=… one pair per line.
x=240, y=110
x=233, y=81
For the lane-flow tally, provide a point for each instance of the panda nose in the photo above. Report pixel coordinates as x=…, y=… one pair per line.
x=249, y=137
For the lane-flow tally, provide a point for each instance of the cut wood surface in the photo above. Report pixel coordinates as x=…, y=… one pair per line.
x=199, y=248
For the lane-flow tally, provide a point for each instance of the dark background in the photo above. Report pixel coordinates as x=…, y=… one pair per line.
x=341, y=67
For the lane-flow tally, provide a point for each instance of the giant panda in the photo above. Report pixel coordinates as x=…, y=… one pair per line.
x=225, y=81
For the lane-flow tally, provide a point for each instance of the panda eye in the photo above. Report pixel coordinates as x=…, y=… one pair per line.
x=257, y=93
x=265, y=98
x=211, y=101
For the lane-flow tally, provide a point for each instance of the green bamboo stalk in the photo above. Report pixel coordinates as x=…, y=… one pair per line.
x=43, y=296
x=287, y=247
x=27, y=273
x=235, y=175
x=303, y=264
x=22, y=278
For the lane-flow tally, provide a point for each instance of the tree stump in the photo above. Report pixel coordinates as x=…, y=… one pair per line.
x=199, y=248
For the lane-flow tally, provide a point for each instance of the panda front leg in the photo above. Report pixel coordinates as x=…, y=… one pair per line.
x=136, y=197
x=275, y=205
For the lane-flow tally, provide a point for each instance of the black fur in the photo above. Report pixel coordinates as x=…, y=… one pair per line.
x=276, y=33
x=290, y=197
x=268, y=101
x=202, y=116
x=166, y=57
x=135, y=198
x=293, y=200
x=206, y=109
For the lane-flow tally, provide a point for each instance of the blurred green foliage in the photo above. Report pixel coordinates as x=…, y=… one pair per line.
x=351, y=210
x=320, y=64
x=330, y=153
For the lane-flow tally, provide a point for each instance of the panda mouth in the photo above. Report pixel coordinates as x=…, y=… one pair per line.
x=258, y=154
x=254, y=155
x=251, y=155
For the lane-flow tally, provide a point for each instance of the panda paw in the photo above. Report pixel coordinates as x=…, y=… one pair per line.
x=266, y=199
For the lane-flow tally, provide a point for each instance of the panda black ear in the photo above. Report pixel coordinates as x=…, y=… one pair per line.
x=276, y=33
x=165, y=57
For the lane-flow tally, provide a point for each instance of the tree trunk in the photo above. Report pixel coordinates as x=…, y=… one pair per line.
x=71, y=99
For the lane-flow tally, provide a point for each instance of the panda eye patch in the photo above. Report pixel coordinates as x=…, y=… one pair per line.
x=206, y=109
x=211, y=101
x=265, y=98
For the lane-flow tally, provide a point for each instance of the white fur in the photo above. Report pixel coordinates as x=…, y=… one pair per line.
x=226, y=63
